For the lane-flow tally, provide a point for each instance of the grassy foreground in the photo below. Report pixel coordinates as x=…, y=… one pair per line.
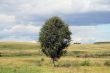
x=25, y=57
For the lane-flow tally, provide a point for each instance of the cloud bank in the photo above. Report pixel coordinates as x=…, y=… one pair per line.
x=21, y=20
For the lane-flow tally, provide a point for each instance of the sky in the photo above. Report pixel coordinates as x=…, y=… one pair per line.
x=88, y=20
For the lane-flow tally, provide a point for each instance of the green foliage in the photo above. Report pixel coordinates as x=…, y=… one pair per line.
x=54, y=38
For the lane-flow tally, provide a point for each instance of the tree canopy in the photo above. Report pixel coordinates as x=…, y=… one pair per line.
x=54, y=38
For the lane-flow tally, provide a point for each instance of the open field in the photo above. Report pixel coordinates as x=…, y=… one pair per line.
x=25, y=57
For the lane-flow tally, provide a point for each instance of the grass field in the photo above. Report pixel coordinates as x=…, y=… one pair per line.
x=26, y=57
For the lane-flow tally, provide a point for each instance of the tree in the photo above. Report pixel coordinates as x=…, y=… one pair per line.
x=54, y=38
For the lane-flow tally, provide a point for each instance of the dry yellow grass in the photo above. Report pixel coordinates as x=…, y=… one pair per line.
x=29, y=63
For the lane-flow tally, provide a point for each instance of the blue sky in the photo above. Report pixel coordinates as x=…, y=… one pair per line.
x=21, y=20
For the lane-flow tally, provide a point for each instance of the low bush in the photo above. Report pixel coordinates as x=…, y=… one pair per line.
x=107, y=63
x=85, y=63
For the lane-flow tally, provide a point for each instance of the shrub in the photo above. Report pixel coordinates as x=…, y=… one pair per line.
x=85, y=63
x=107, y=63
x=42, y=59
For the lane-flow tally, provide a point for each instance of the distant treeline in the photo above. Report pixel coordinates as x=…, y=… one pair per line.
x=77, y=43
x=102, y=43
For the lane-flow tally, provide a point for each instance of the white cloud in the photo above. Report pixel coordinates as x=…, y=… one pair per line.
x=20, y=33
x=83, y=39
x=83, y=33
x=23, y=29
x=7, y=21
x=64, y=6
x=58, y=6
x=18, y=39
x=46, y=7
x=7, y=18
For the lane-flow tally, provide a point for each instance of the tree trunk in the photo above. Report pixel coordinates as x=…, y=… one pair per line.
x=53, y=59
x=0, y=54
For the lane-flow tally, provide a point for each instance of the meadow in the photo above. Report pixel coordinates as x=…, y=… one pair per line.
x=26, y=57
